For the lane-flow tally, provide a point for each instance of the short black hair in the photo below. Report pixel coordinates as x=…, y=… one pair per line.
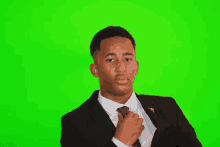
x=108, y=32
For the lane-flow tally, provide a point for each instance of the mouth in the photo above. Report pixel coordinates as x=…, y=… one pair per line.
x=121, y=81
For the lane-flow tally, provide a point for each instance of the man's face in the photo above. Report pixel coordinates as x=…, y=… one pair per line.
x=116, y=65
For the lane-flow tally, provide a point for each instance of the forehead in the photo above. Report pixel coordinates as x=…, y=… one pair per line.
x=117, y=45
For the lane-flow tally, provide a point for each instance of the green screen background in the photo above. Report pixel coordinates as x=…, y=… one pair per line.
x=45, y=59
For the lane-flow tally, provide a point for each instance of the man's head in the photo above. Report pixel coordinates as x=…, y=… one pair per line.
x=113, y=51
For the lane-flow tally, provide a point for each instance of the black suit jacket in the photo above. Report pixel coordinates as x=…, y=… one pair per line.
x=89, y=125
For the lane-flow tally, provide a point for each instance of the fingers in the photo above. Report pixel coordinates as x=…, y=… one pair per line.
x=135, y=116
x=140, y=129
x=120, y=117
x=130, y=114
x=140, y=121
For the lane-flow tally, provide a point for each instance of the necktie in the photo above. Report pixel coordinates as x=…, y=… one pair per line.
x=123, y=111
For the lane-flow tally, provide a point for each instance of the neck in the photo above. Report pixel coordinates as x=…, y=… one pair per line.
x=116, y=97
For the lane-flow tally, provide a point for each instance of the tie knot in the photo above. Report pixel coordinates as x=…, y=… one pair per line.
x=123, y=110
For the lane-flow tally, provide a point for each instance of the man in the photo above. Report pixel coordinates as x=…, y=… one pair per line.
x=116, y=115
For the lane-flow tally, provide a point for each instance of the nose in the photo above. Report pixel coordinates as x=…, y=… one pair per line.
x=120, y=67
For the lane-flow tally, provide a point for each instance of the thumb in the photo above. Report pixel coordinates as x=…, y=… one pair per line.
x=120, y=116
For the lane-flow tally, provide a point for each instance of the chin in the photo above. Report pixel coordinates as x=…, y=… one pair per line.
x=121, y=89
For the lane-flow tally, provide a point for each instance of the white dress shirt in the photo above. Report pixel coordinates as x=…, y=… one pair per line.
x=135, y=106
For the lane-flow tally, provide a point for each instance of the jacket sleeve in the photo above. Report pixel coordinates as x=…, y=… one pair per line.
x=187, y=132
x=71, y=137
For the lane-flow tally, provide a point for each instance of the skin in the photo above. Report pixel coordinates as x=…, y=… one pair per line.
x=109, y=69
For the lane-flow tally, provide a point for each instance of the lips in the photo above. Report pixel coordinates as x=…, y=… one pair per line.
x=121, y=81
x=120, y=77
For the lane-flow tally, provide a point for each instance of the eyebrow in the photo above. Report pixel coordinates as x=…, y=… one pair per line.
x=127, y=53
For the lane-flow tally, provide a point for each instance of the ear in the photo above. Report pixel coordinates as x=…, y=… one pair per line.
x=137, y=67
x=94, y=70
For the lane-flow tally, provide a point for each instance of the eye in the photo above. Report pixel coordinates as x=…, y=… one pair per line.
x=126, y=59
x=109, y=60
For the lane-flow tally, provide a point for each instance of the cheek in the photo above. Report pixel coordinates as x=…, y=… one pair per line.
x=111, y=73
x=131, y=71
x=110, y=69
x=108, y=72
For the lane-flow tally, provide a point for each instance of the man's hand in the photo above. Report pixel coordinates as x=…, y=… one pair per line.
x=129, y=128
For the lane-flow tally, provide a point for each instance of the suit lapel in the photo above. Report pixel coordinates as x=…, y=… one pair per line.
x=148, y=106
x=99, y=115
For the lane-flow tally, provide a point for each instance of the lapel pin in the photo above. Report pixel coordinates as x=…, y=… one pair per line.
x=152, y=109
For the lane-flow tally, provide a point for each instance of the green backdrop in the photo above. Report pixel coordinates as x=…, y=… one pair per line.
x=45, y=59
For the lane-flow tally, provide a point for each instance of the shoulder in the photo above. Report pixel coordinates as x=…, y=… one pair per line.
x=75, y=115
x=157, y=100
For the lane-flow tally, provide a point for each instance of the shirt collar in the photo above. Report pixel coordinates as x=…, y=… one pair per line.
x=112, y=106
